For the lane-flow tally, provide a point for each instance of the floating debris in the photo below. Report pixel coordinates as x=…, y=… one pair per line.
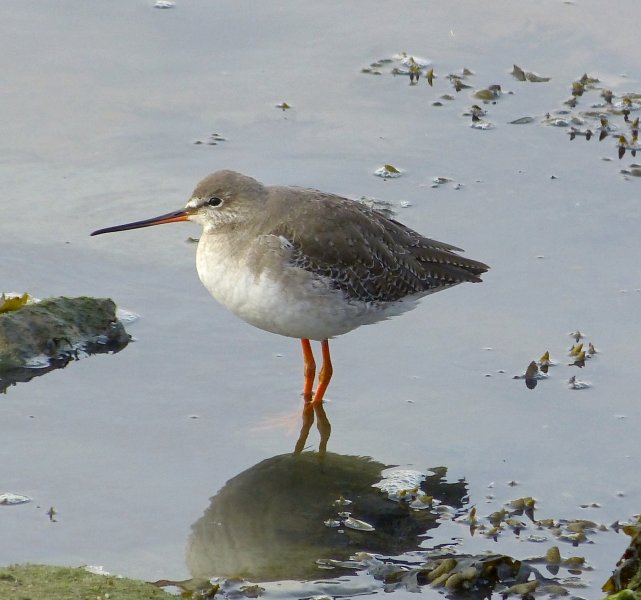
x=414, y=70
x=588, y=81
x=342, y=501
x=522, y=121
x=532, y=375
x=606, y=128
x=411, y=59
x=518, y=73
x=600, y=123
x=459, y=85
x=627, y=104
x=521, y=75
x=11, y=301
x=469, y=519
x=388, y=172
x=575, y=384
x=578, y=352
x=579, y=360
x=283, y=106
x=440, y=181
x=526, y=503
x=462, y=573
x=482, y=125
x=553, y=556
x=403, y=64
x=437, y=181
x=126, y=316
x=587, y=134
x=332, y=523
x=357, y=524
x=489, y=94
x=575, y=350
x=423, y=502
x=634, y=170
x=607, y=95
x=577, y=88
x=545, y=362
x=534, y=78
x=557, y=122
x=430, y=76
x=623, y=146
x=376, y=65
x=476, y=112
x=400, y=484
x=383, y=206
x=164, y=4
x=10, y=499
x=213, y=140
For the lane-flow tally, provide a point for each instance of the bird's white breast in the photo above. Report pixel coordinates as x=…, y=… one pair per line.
x=254, y=281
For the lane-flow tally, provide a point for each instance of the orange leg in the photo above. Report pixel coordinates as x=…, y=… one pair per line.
x=314, y=407
x=309, y=370
x=325, y=374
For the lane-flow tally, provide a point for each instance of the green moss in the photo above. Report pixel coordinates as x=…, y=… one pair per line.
x=41, y=582
x=54, y=332
x=625, y=595
x=55, y=327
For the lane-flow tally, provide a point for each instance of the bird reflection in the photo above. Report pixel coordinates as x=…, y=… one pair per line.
x=314, y=411
x=278, y=518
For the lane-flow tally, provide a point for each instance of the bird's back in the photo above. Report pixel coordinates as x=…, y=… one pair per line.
x=366, y=255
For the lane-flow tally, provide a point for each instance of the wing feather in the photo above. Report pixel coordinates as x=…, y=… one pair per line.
x=368, y=256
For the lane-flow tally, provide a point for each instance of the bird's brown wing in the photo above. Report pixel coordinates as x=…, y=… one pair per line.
x=369, y=257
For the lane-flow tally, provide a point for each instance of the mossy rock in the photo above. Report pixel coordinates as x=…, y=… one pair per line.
x=42, y=582
x=40, y=337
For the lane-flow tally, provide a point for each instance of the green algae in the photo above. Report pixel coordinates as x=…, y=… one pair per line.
x=40, y=582
x=54, y=327
x=625, y=582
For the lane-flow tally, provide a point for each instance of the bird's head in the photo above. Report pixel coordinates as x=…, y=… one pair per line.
x=224, y=197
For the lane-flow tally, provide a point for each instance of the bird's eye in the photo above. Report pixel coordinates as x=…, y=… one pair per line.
x=214, y=201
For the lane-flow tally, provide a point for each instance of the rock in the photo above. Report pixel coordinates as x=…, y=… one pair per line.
x=47, y=335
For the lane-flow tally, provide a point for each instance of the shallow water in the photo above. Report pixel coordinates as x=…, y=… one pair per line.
x=103, y=103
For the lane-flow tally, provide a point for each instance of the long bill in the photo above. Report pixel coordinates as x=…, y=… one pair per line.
x=172, y=217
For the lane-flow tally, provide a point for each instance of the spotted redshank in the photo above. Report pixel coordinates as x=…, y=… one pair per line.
x=307, y=264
